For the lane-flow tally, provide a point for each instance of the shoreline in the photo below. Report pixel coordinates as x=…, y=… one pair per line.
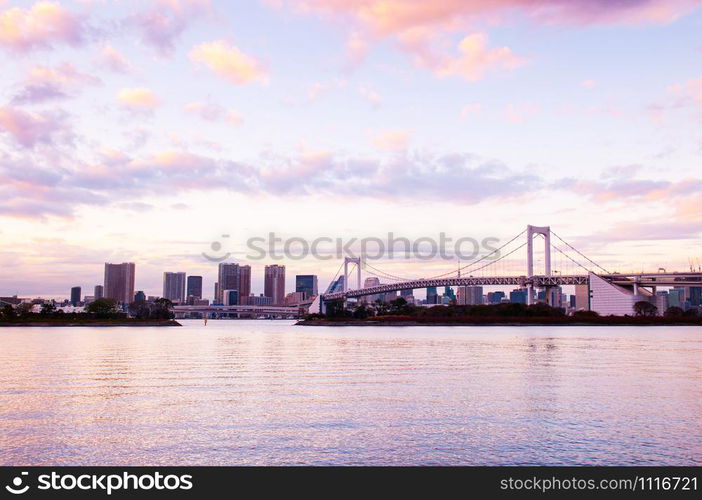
x=365, y=323
x=42, y=324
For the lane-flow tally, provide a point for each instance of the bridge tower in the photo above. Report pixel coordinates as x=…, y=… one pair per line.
x=531, y=232
x=352, y=260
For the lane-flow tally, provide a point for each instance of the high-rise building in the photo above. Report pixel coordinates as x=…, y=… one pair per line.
x=470, y=295
x=495, y=297
x=518, y=296
x=233, y=277
x=194, y=287
x=432, y=296
x=406, y=293
x=307, y=284
x=75, y=295
x=140, y=296
x=231, y=297
x=174, y=287
x=119, y=282
x=370, y=282
x=274, y=283
x=99, y=292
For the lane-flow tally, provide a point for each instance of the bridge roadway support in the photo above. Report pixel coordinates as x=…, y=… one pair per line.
x=545, y=231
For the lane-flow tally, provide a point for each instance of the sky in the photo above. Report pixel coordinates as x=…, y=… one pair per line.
x=145, y=131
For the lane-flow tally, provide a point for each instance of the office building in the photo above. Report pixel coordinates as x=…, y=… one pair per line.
x=470, y=295
x=495, y=297
x=307, y=284
x=260, y=300
x=119, y=282
x=518, y=296
x=370, y=282
x=232, y=276
x=99, y=292
x=295, y=298
x=231, y=297
x=194, y=287
x=75, y=296
x=174, y=287
x=140, y=296
x=274, y=283
x=432, y=296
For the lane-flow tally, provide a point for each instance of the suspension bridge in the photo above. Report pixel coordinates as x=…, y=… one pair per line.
x=515, y=263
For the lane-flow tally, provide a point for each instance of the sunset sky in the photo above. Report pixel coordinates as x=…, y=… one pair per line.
x=143, y=131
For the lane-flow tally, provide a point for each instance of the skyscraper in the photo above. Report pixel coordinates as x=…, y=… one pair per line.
x=75, y=296
x=274, y=283
x=194, y=287
x=432, y=296
x=119, y=281
x=233, y=277
x=470, y=295
x=99, y=292
x=307, y=284
x=174, y=287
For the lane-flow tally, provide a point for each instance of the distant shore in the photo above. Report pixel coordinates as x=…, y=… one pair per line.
x=96, y=322
x=519, y=321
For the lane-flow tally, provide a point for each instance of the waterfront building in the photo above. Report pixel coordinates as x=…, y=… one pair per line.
x=676, y=297
x=231, y=297
x=119, y=282
x=495, y=297
x=470, y=295
x=370, y=282
x=75, y=296
x=609, y=299
x=174, y=287
x=99, y=292
x=294, y=298
x=307, y=284
x=194, y=287
x=432, y=296
x=140, y=296
x=518, y=296
x=260, y=300
x=274, y=283
x=232, y=276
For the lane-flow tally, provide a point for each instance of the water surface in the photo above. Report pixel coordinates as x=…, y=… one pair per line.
x=268, y=392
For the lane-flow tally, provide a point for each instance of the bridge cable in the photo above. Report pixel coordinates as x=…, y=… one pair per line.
x=580, y=253
x=571, y=259
x=480, y=259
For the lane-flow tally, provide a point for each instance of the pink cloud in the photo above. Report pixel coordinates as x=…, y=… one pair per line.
x=690, y=91
x=421, y=27
x=228, y=62
x=163, y=24
x=588, y=84
x=138, y=99
x=111, y=59
x=29, y=128
x=214, y=113
x=44, y=83
x=40, y=26
x=391, y=140
x=475, y=59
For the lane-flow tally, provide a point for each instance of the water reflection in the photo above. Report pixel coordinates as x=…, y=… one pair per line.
x=257, y=392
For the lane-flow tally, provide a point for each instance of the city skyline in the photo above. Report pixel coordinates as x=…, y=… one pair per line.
x=137, y=143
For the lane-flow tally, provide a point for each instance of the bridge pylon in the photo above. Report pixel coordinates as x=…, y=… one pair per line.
x=352, y=260
x=532, y=231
